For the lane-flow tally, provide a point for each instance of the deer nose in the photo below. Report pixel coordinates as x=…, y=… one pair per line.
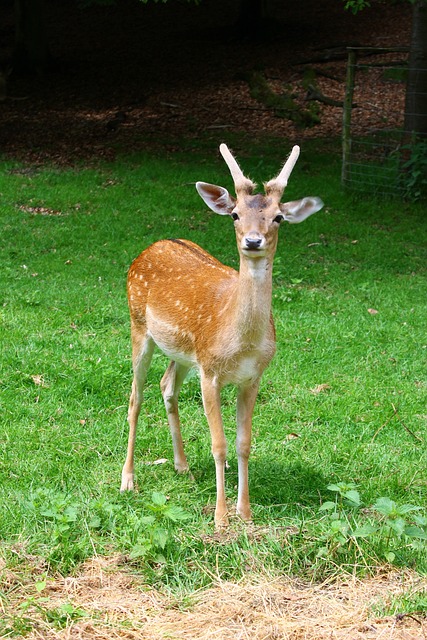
x=253, y=243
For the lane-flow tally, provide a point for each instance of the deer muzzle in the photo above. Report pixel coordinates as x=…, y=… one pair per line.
x=253, y=244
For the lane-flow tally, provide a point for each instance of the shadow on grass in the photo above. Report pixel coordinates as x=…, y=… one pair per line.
x=287, y=484
x=284, y=483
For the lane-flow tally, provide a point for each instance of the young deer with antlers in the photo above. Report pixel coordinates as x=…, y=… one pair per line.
x=203, y=314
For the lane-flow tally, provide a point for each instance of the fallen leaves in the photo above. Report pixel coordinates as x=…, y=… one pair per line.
x=320, y=388
x=155, y=462
x=90, y=127
x=39, y=381
x=40, y=211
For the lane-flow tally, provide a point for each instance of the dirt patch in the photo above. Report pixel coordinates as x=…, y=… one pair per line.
x=104, y=602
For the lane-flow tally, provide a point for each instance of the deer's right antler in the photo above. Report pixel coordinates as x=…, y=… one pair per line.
x=241, y=183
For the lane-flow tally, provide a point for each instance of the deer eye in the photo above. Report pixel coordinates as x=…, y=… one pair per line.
x=278, y=219
x=234, y=215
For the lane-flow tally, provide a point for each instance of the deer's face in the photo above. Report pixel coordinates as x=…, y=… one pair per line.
x=256, y=221
x=257, y=217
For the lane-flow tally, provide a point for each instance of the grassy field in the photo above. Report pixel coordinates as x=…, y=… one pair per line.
x=338, y=469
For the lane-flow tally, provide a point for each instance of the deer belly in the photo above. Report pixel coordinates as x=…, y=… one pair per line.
x=172, y=340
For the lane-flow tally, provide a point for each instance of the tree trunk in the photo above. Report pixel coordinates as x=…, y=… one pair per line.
x=416, y=88
x=31, y=53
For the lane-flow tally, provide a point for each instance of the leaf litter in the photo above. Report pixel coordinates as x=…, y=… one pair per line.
x=104, y=601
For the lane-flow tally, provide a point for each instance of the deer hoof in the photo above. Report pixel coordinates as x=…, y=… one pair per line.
x=127, y=482
x=244, y=514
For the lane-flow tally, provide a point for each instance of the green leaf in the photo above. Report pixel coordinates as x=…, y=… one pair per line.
x=62, y=528
x=141, y=550
x=353, y=496
x=94, y=522
x=48, y=513
x=407, y=508
x=41, y=584
x=328, y=506
x=338, y=526
x=160, y=538
x=415, y=532
x=397, y=525
x=175, y=513
x=159, y=499
x=364, y=531
x=342, y=487
x=385, y=506
x=71, y=513
x=334, y=487
x=356, y=5
x=390, y=556
x=420, y=520
x=160, y=558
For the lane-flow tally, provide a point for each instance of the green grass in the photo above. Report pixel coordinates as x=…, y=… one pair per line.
x=411, y=604
x=344, y=400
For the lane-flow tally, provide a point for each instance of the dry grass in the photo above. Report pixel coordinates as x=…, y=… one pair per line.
x=111, y=604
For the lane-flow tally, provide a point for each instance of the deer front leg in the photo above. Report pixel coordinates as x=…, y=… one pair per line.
x=170, y=386
x=142, y=352
x=245, y=406
x=212, y=405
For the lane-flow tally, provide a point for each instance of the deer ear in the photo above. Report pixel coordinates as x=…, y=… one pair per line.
x=217, y=198
x=299, y=210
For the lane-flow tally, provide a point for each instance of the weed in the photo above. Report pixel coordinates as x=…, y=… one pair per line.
x=74, y=528
x=155, y=530
x=397, y=526
x=387, y=526
x=62, y=616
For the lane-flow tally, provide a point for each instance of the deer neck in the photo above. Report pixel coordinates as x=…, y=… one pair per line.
x=252, y=299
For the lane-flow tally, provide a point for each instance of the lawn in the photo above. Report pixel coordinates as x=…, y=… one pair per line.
x=339, y=461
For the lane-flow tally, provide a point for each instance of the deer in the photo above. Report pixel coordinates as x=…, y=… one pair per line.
x=203, y=314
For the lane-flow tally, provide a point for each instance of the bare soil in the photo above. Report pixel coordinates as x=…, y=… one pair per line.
x=135, y=74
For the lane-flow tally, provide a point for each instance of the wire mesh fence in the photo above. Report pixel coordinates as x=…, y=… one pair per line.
x=381, y=152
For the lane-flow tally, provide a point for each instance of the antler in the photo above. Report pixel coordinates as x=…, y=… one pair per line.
x=278, y=184
x=241, y=183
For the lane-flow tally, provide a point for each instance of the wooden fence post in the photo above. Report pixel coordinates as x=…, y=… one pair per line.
x=348, y=103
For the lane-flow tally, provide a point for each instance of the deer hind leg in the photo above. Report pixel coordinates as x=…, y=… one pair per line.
x=212, y=405
x=246, y=398
x=142, y=352
x=170, y=385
